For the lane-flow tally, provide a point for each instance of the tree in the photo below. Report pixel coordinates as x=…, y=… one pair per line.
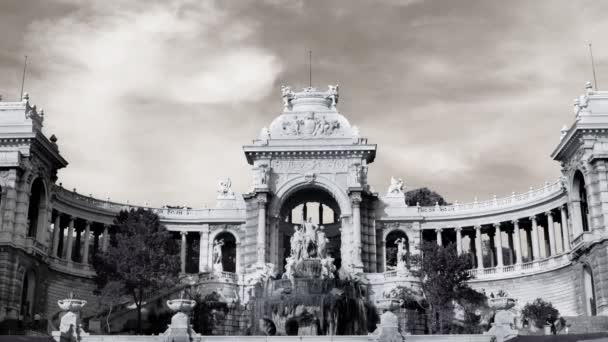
x=444, y=279
x=142, y=257
x=540, y=313
x=423, y=196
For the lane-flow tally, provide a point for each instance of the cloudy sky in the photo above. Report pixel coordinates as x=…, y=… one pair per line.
x=152, y=101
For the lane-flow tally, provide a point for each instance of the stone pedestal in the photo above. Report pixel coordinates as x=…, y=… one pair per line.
x=504, y=319
x=388, y=329
x=70, y=328
x=180, y=329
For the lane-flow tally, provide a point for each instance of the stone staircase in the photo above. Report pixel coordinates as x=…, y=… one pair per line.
x=586, y=324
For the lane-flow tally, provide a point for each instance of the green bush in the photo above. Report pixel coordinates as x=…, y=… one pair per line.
x=540, y=313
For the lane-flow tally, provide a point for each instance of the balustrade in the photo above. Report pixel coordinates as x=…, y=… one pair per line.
x=525, y=268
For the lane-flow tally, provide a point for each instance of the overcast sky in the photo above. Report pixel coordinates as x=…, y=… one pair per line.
x=152, y=101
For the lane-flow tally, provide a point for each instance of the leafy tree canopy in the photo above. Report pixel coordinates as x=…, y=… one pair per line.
x=424, y=196
x=142, y=256
x=444, y=282
x=540, y=312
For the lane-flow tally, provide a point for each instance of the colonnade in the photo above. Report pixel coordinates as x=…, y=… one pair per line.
x=532, y=226
x=72, y=238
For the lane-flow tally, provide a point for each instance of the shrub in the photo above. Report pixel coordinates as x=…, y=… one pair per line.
x=540, y=312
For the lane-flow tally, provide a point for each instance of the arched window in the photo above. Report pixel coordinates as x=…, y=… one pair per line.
x=224, y=252
x=393, y=239
x=36, y=213
x=589, y=288
x=581, y=200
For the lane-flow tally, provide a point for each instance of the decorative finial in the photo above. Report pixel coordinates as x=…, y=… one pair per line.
x=25, y=97
x=53, y=138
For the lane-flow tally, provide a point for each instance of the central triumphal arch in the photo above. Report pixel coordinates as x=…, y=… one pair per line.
x=312, y=154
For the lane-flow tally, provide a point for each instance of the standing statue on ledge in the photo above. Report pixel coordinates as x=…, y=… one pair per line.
x=333, y=95
x=322, y=241
x=396, y=187
x=287, y=95
x=401, y=253
x=310, y=244
x=217, y=256
x=224, y=189
x=297, y=245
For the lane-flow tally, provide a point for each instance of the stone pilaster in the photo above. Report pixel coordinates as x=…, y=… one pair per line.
x=10, y=200
x=535, y=243
x=262, y=199
x=183, y=252
x=565, y=228
x=517, y=242
x=458, y=240
x=478, y=249
x=68, y=250
x=551, y=229
x=355, y=200
x=203, y=255
x=498, y=242
x=56, y=231
x=87, y=237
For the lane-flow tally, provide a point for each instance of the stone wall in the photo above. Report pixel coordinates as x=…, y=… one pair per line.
x=249, y=245
x=560, y=287
x=59, y=285
x=597, y=259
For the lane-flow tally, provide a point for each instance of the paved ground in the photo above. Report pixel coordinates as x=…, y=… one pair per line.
x=597, y=337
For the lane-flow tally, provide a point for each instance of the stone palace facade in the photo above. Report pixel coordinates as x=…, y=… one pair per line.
x=310, y=166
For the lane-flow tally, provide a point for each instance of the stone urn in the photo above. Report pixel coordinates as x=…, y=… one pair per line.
x=180, y=329
x=501, y=303
x=70, y=327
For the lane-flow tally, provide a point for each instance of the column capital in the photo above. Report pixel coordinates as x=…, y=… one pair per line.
x=71, y=219
x=183, y=233
x=532, y=218
x=355, y=198
x=438, y=230
x=477, y=227
x=564, y=206
x=262, y=198
x=549, y=213
x=515, y=222
x=87, y=223
x=496, y=225
x=458, y=229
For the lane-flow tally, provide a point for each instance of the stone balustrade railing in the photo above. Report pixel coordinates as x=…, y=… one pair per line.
x=224, y=277
x=166, y=213
x=521, y=269
x=547, y=191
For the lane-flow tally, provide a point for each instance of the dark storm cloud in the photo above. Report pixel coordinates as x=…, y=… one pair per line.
x=152, y=101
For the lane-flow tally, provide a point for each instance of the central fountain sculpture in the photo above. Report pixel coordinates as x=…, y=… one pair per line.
x=308, y=258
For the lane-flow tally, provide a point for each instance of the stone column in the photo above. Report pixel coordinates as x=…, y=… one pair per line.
x=355, y=199
x=106, y=238
x=518, y=258
x=458, y=240
x=56, y=230
x=498, y=242
x=565, y=229
x=87, y=234
x=551, y=229
x=203, y=254
x=183, y=252
x=439, y=241
x=534, y=233
x=261, y=247
x=68, y=250
x=479, y=252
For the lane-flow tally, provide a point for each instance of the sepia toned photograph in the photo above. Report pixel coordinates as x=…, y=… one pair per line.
x=303, y=170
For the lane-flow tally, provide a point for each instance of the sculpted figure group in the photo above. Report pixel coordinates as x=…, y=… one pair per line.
x=309, y=242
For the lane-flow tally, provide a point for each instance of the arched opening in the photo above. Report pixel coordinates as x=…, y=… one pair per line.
x=581, y=201
x=317, y=209
x=224, y=252
x=397, y=249
x=28, y=292
x=36, y=213
x=589, y=294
